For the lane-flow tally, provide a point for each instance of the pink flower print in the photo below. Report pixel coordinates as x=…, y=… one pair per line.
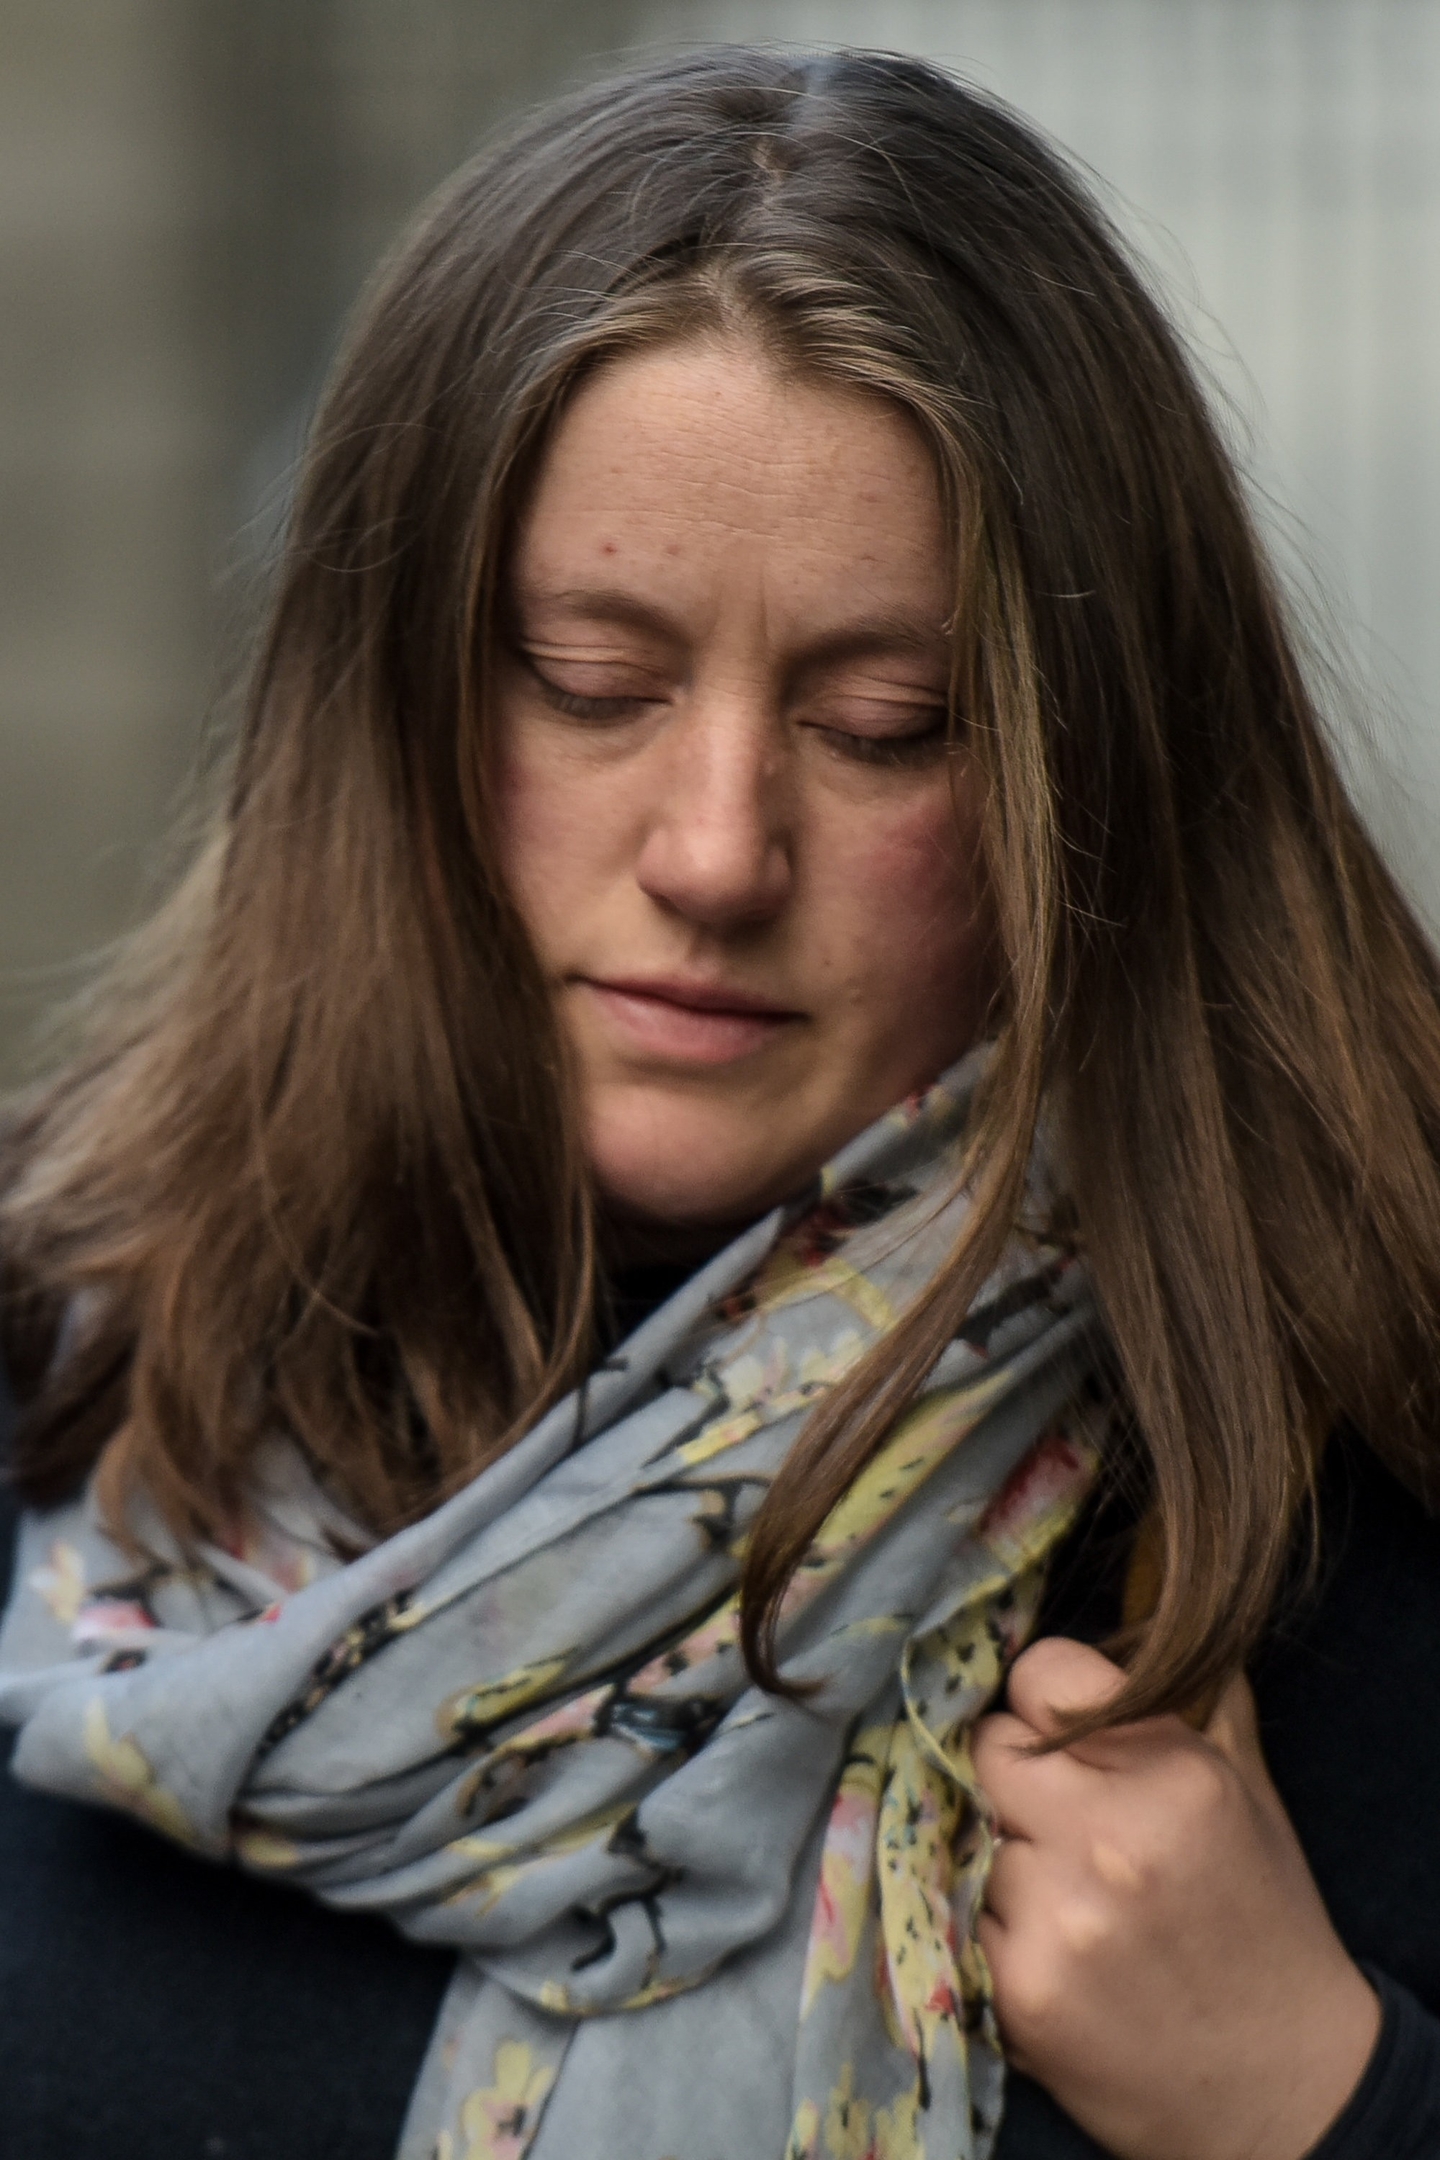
x=842, y=1897
x=500, y=2121
x=718, y=1633
x=1048, y=1476
x=103, y=1618
x=572, y=1721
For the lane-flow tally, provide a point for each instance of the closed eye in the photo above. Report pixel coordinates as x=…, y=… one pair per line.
x=577, y=706
x=920, y=746
x=914, y=746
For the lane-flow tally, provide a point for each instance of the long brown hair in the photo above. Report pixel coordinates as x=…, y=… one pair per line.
x=314, y=1166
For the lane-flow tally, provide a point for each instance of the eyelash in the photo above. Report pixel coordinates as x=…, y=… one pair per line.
x=917, y=749
x=891, y=750
x=588, y=708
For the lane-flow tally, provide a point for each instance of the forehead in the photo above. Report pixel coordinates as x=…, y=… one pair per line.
x=699, y=471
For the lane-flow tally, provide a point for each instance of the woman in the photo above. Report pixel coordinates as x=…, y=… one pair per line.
x=523, y=1436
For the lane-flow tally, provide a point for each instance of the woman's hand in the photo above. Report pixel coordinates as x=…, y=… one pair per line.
x=1162, y=1960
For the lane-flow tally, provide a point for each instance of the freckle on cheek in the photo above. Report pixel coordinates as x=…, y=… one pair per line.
x=920, y=851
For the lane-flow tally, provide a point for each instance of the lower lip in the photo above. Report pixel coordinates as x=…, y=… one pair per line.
x=685, y=1034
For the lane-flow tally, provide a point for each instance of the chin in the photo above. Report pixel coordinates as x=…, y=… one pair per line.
x=687, y=1172
x=675, y=1200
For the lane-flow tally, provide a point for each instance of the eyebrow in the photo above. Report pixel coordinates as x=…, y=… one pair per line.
x=873, y=635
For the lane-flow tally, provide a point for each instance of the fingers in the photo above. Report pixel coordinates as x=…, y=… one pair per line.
x=1025, y=1790
x=1053, y=1677
x=1001, y=1747
x=1056, y=1679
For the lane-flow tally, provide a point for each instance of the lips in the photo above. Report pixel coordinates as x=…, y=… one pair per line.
x=682, y=1023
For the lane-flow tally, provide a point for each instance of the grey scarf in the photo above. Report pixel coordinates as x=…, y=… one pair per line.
x=695, y=1921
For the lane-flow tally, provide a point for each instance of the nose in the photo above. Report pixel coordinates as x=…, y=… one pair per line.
x=718, y=844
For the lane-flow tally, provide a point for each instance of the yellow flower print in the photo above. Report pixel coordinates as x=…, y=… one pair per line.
x=847, y=2121
x=919, y=1814
x=469, y=1714
x=256, y=1847
x=792, y=1277
x=897, y=2130
x=853, y=2131
x=500, y=2120
x=501, y=1862
x=61, y=1585
x=804, y=2141
x=127, y=1780
x=750, y=1381
x=767, y=1404
x=922, y=1440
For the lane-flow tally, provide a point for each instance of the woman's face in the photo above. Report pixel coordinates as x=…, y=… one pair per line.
x=727, y=810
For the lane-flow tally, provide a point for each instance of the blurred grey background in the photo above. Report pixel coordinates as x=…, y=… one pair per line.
x=192, y=190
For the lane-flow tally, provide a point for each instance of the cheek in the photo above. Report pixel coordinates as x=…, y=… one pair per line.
x=914, y=896
x=548, y=833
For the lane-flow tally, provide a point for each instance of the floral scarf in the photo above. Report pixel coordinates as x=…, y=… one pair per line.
x=694, y=1921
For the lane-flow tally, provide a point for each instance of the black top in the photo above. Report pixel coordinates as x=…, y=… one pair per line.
x=156, y=2007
